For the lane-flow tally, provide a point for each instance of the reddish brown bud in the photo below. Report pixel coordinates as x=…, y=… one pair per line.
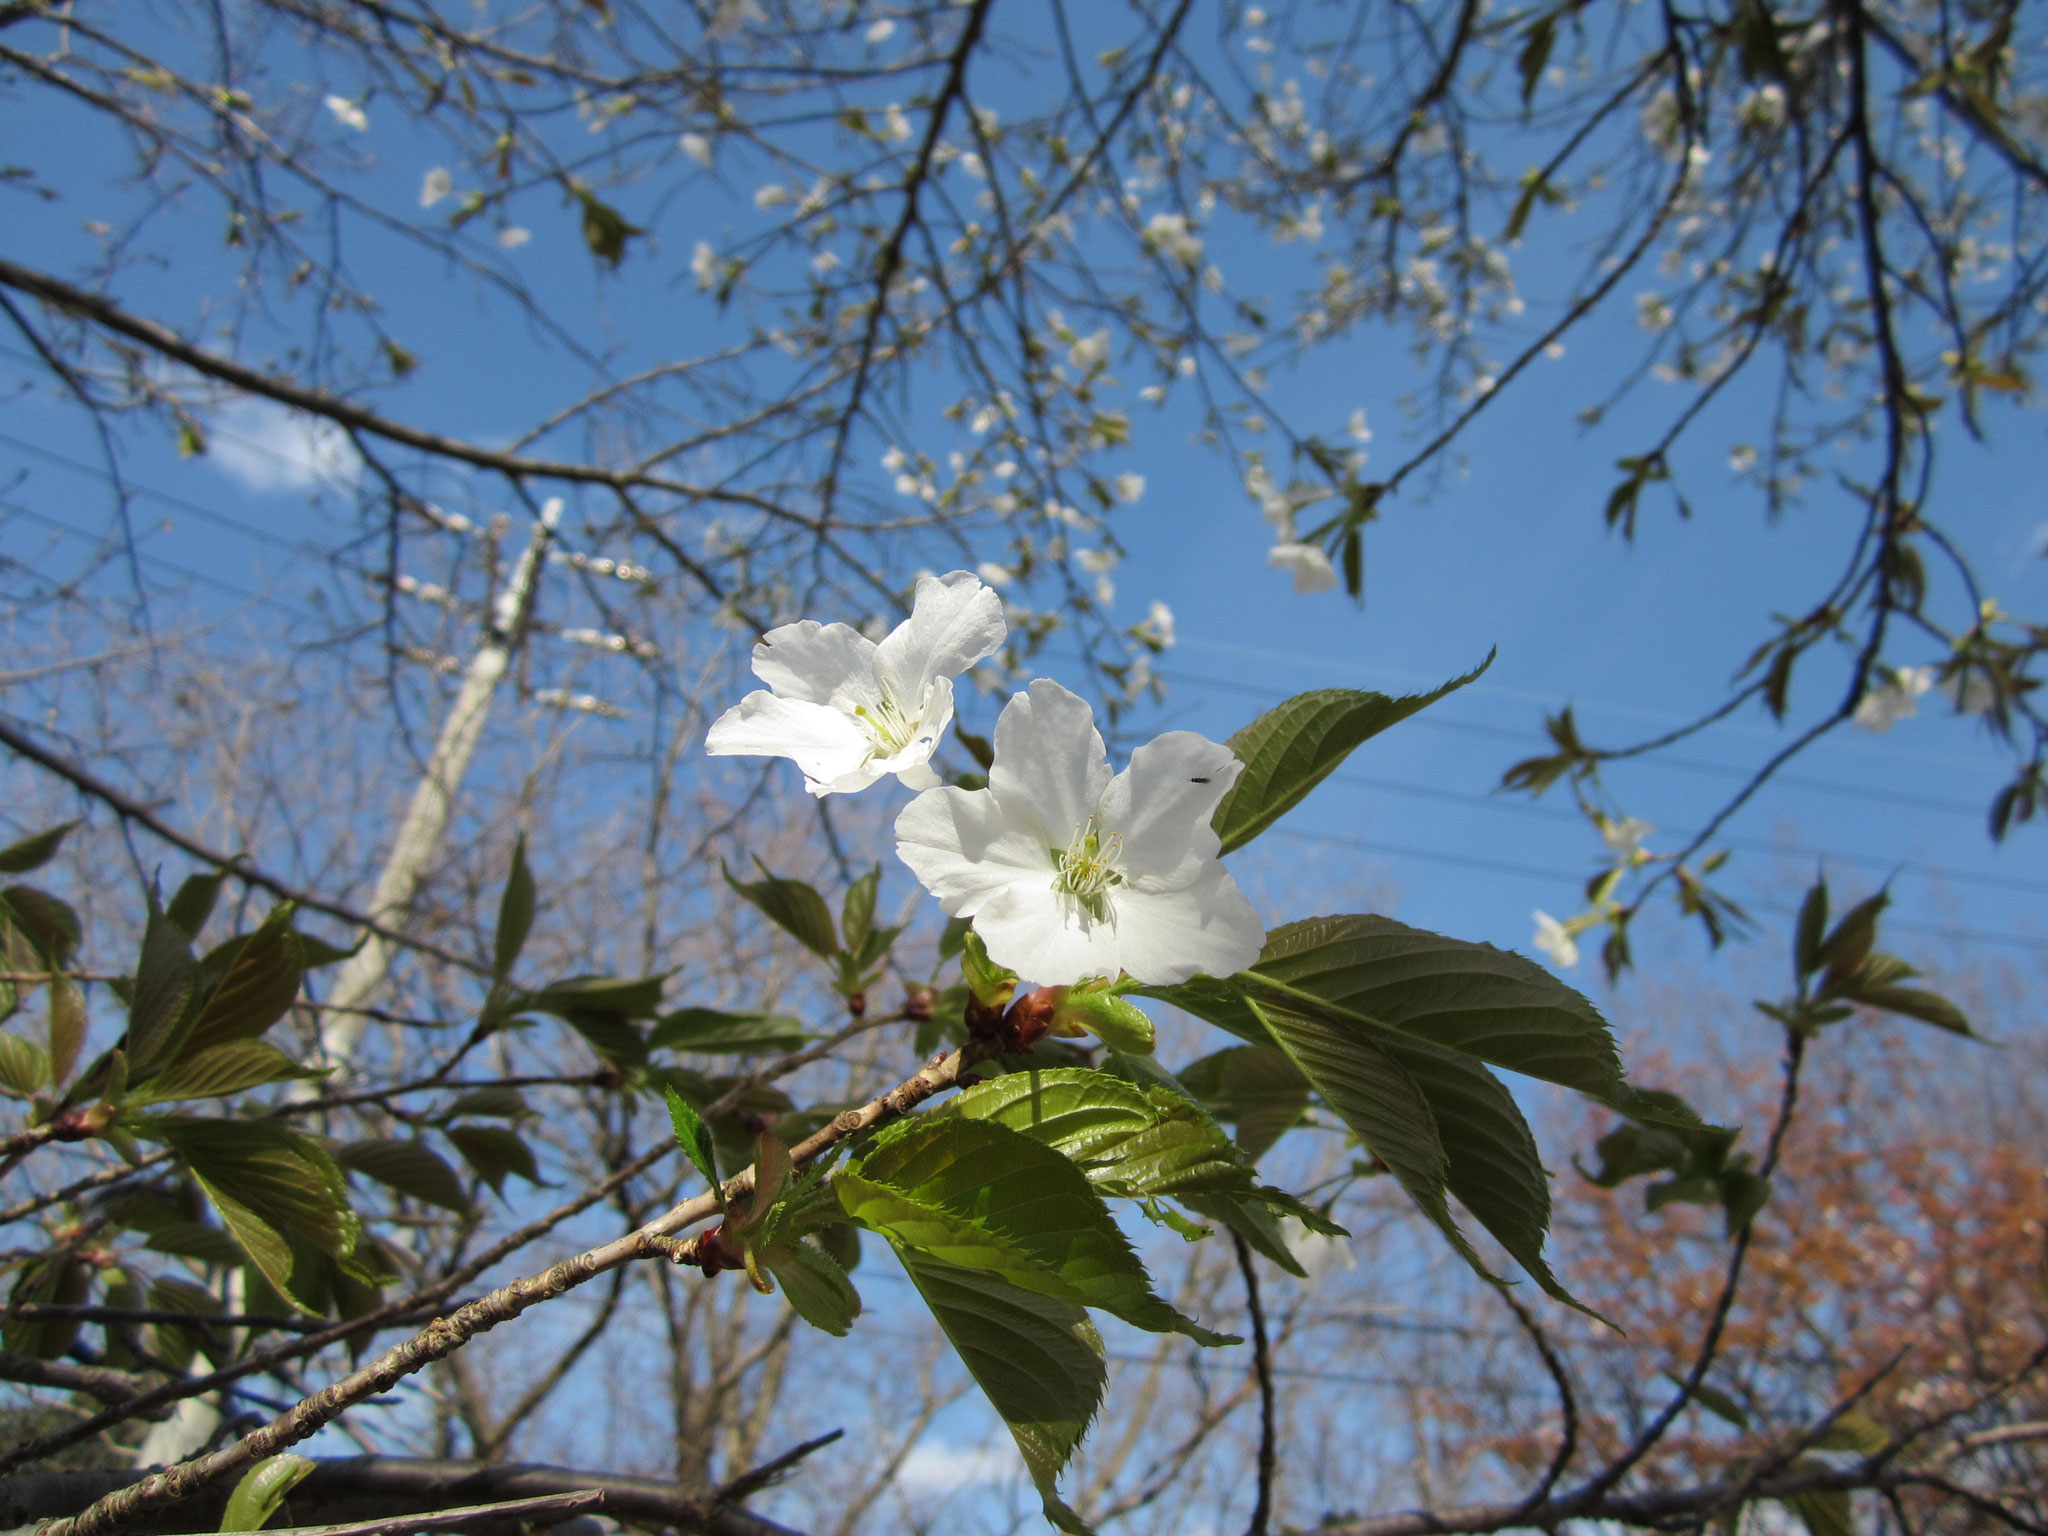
x=917, y=1003
x=1029, y=1017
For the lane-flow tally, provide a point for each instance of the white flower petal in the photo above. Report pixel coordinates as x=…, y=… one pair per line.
x=814, y=662
x=1026, y=929
x=1050, y=766
x=962, y=849
x=1162, y=803
x=1311, y=567
x=1206, y=927
x=954, y=622
x=821, y=740
x=1555, y=940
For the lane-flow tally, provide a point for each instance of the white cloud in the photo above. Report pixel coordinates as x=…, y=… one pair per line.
x=935, y=1467
x=270, y=448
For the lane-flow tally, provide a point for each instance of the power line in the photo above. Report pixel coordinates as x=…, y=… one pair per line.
x=1519, y=807
x=1554, y=876
x=1688, y=764
x=168, y=498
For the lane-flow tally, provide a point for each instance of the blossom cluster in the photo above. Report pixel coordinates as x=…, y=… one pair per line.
x=1067, y=870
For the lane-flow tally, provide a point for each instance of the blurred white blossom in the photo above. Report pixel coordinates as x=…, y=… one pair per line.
x=349, y=114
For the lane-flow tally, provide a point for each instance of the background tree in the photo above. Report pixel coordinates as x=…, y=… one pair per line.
x=875, y=290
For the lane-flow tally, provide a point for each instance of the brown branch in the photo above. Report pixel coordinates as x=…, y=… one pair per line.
x=346, y=413
x=108, y=1385
x=773, y=1471
x=1262, y=1363
x=521, y=1510
x=444, y=1336
x=86, y=1185
x=129, y=809
x=382, y=1488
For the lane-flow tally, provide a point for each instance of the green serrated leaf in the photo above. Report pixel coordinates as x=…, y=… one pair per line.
x=1485, y=1002
x=33, y=852
x=1129, y=1140
x=711, y=1030
x=194, y=902
x=792, y=906
x=1823, y=1513
x=1374, y=1094
x=1813, y=923
x=493, y=1152
x=220, y=1070
x=270, y=1185
x=605, y=229
x=411, y=1167
x=165, y=976
x=498, y=1103
x=817, y=1288
x=24, y=1067
x=611, y=996
x=515, y=914
x=1039, y=1362
x=857, y=912
x=978, y=1194
x=1253, y=1087
x=50, y=925
x=67, y=1028
x=263, y=1489
x=260, y=983
x=1854, y=1430
x=1743, y=1195
x=1294, y=746
x=1916, y=1003
x=694, y=1137
x=1252, y=1220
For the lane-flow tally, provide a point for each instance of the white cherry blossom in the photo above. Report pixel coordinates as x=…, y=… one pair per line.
x=848, y=710
x=1555, y=940
x=349, y=114
x=1069, y=872
x=1311, y=567
x=1893, y=700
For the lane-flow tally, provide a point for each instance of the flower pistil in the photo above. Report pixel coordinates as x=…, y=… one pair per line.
x=1086, y=869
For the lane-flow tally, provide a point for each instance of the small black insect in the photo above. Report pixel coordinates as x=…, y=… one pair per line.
x=1198, y=781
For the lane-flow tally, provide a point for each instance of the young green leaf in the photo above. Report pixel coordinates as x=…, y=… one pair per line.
x=816, y=1286
x=193, y=904
x=978, y=1194
x=1253, y=1087
x=270, y=1186
x=32, y=853
x=709, y=1030
x=494, y=1152
x=1489, y=1003
x=24, y=1067
x=165, y=975
x=515, y=914
x=792, y=906
x=50, y=925
x=857, y=912
x=262, y=1490
x=410, y=1167
x=1039, y=1362
x=260, y=983
x=694, y=1137
x=221, y=1070
x=1375, y=1095
x=1295, y=745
